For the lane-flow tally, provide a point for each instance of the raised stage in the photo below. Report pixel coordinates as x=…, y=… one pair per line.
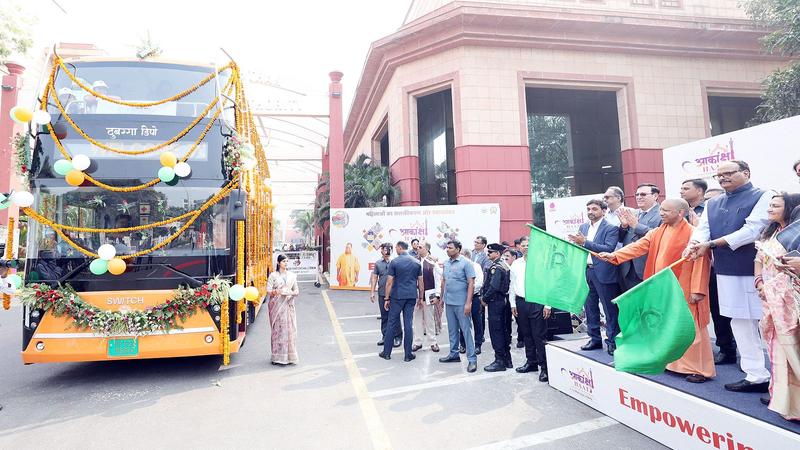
x=668, y=409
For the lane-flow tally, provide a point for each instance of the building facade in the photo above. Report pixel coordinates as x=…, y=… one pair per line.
x=518, y=101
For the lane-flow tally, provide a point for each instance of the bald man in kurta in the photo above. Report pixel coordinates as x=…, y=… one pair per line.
x=663, y=246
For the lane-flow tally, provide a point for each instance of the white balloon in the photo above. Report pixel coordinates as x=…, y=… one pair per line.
x=22, y=198
x=41, y=117
x=182, y=169
x=107, y=252
x=81, y=162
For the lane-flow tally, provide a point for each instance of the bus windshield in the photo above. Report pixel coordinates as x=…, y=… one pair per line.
x=136, y=82
x=96, y=208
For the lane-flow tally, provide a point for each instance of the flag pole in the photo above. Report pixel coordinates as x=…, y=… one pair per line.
x=669, y=267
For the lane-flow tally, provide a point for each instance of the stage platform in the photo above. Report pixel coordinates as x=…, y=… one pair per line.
x=665, y=407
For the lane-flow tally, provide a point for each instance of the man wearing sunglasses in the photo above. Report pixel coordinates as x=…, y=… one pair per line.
x=729, y=227
x=634, y=225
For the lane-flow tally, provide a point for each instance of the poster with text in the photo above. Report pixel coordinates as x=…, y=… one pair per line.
x=769, y=150
x=563, y=216
x=357, y=233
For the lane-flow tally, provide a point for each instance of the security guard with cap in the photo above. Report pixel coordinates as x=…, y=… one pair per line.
x=495, y=295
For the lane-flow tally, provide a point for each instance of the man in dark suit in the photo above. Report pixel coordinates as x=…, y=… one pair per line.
x=599, y=236
x=634, y=225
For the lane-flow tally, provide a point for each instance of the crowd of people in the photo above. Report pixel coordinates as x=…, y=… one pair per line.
x=735, y=252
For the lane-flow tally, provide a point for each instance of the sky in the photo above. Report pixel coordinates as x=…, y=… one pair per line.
x=294, y=43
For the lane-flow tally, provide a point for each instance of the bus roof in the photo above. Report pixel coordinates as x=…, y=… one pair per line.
x=137, y=60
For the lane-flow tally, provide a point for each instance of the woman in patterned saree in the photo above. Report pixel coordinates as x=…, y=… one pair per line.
x=780, y=326
x=282, y=290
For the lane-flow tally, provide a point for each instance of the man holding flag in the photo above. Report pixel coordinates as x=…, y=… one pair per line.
x=663, y=247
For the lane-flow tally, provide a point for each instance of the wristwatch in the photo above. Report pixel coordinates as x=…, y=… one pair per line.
x=712, y=244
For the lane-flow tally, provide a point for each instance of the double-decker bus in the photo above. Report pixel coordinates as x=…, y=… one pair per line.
x=111, y=111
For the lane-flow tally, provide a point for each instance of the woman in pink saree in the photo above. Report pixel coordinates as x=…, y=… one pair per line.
x=780, y=326
x=282, y=290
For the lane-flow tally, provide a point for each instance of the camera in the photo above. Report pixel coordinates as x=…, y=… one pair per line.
x=9, y=263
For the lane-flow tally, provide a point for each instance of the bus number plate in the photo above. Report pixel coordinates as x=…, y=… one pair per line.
x=123, y=347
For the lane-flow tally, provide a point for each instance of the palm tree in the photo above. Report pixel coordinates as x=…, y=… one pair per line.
x=304, y=223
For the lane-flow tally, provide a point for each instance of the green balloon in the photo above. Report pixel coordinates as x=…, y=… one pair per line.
x=98, y=266
x=33, y=275
x=4, y=205
x=166, y=174
x=62, y=167
x=16, y=279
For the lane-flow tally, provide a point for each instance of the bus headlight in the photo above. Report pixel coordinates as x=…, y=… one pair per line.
x=209, y=339
x=40, y=346
x=34, y=324
x=35, y=314
x=215, y=308
x=216, y=318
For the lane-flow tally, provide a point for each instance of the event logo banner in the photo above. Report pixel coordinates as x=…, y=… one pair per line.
x=563, y=216
x=769, y=149
x=357, y=233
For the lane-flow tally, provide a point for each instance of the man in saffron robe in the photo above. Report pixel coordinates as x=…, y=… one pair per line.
x=663, y=246
x=347, y=267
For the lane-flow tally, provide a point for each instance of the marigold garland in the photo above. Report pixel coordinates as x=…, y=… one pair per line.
x=9, y=254
x=166, y=316
x=58, y=62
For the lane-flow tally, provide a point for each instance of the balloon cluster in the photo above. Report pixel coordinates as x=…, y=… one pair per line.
x=107, y=261
x=24, y=115
x=72, y=170
x=238, y=292
x=172, y=168
x=23, y=199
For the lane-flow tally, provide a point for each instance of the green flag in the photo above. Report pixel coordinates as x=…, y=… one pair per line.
x=656, y=326
x=555, y=272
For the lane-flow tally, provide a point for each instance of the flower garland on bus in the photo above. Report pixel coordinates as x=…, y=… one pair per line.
x=64, y=301
x=21, y=147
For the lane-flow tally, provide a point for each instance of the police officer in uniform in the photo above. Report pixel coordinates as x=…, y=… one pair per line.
x=495, y=295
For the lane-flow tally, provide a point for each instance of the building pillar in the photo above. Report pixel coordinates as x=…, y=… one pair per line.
x=642, y=165
x=336, y=141
x=497, y=174
x=405, y=175
x=11, y=85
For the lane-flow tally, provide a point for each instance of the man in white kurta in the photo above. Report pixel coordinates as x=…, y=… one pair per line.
x=731, y=223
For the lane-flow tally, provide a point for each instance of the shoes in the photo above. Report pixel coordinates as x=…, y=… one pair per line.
x=415, y=348
x=478, y=350
x=543, y=376
x=611, y=348
x=462, y=349
x=592, y=345
x=380, y=343
x=397, y=342
x=435, y=348
x=496, y=366
x=509, y=364
x=409, y=358
x=450, y=358
x=384, y=356
x=747, y=386
x=527, y=367
x=472, y=367
x=696, y=378
x=520, y=344
x=765, y=399
x=724, y=358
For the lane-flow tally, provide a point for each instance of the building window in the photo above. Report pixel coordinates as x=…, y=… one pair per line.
x=437, y=162
x=728, y=114
x=670, y=3
x=642, y=2
x=573, y=136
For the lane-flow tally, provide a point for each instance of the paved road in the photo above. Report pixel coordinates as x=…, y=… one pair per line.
x=341, y=395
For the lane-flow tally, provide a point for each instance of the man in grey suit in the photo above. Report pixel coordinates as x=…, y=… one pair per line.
x=634, y=225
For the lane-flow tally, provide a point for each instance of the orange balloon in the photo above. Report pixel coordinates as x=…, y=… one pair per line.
x=168, y=159
x=116, y=266
x=75, y=177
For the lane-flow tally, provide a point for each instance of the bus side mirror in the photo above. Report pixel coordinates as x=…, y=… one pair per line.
x=237, y=205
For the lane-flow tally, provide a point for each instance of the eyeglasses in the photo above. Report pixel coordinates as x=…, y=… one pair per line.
x=606, y=197
x=643, y=194
x=726, y=174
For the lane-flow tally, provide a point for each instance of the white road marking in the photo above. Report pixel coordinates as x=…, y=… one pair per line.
x=555, y=434
x=350, y=333
x=359, y=317
x=465, y=378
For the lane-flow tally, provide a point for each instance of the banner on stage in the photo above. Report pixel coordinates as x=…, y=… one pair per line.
x=357, y=233
x=563, y=216
x=769, y=149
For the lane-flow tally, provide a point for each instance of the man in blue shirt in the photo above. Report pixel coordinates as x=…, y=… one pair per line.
x=403, y=288
x=458, y=284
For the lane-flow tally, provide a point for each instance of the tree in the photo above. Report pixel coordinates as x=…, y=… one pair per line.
x=304, y=223
x=781, y=97
x=15, y=33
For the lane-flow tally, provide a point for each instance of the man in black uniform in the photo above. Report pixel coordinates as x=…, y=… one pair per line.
x=495, y=295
